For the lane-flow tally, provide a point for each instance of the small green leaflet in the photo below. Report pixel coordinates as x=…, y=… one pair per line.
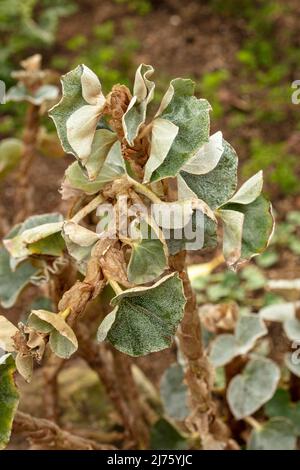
x=207, y=157
x=174, y=392
x=282, y=406
x=77, y=114
x=9, y=398
x=102, y=143
x=275, y=434
x=163, y=134
x=148, y=257
x=63, y=341
x=39, y=234
x=201, y=233
x=10, y=155
x=251, y=389
x=42, y=94
x=292, y=362
x=147, y=317
x=72, y=100
x=225, y=347
x=13, y=282
x=164, y=436
x=258, y=226
x=191, y=116
x=143, y=91
x=112, y=168
x=216, y=187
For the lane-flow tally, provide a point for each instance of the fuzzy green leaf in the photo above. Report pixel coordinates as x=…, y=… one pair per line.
x=148, y=256
x=257, y=227
x=112, y=168
x=191, y=116
x=174, y=392
x=77, y=114
x=9, y=398
x=42, y=94
x=147, y=317
x=248, y=391
x=13, y=282
x=71, y=101
x=164, y=436
x=217, y=186
x=275, y=434
x=39, y=234
x=207, y=157
x=203, y=234
x=63, y=341
x=143, y=92
x=282, y=406
x=10, y=155
x=225, y=347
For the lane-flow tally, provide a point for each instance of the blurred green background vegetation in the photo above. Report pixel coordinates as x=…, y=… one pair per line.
x=243, y=56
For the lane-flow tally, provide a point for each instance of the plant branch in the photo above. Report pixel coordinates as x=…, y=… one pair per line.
x=47, y=435
x=92, y=205
x=142, y=189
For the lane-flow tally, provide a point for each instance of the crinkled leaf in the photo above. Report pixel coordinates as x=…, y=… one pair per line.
x=207, y=157
x=41, y=94
x=292, y=362
x=249, y=329
x=279, y=312
x=63, y=341
x=174, y=392
x=223, y=350
x=275, y=434
x=143, y=91
x=10, y=155
x=163, y=134
x=102, y=143
x=183, y=190
x=250, y=190
x=248, y=391
x=106, y=325
x=9, y=398
x=147, y=317
x=217, y=186
x=199, y=233
x=43, y=239
x=112, y=168
x=148, y=257
x=258, y=226
x=282, y=406
x=81, y=90
x=232, y=235
x=7, y=331
x=164, y=436
x=38, y=234
x=291, y=328
x=24, y=365
x=78, y=234
x=13, y=282
x=191, y=116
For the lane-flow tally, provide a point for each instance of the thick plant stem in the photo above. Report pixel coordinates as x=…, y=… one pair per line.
x=130, y=393
x=199, y=373
x=24, y=202
x=45, y=434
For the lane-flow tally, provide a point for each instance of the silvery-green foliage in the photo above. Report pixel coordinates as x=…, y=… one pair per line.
x=225, y=347
x=252, y=388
